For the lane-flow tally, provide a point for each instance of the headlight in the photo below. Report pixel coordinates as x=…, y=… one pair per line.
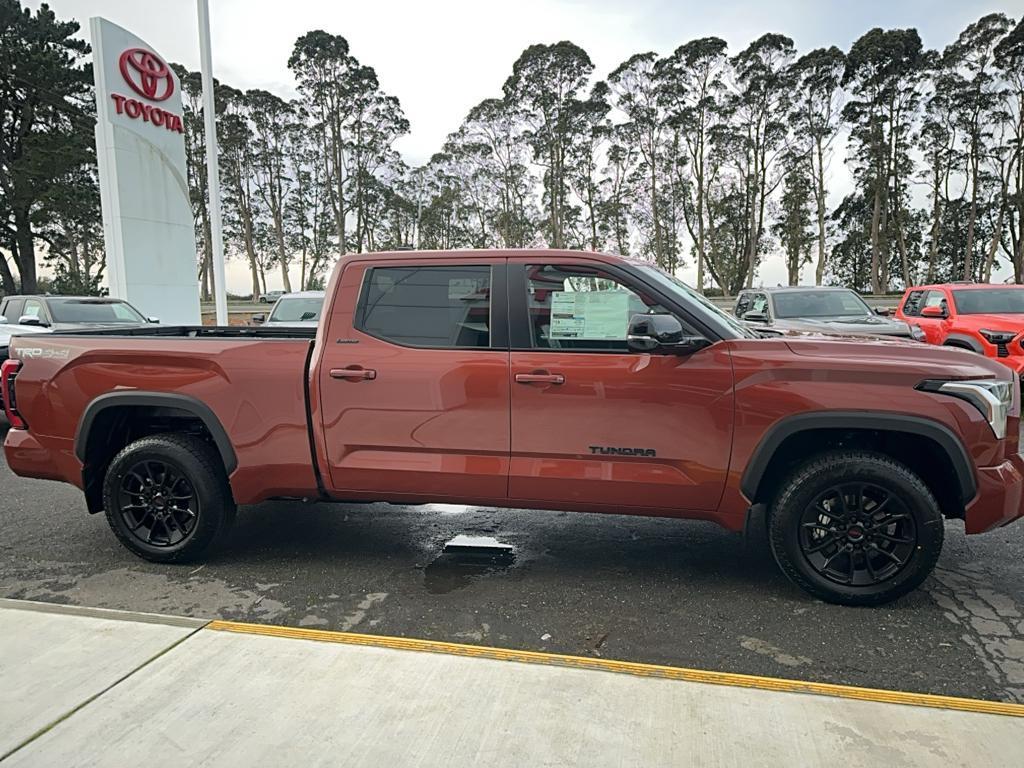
x=997, y=337
x=993, y=398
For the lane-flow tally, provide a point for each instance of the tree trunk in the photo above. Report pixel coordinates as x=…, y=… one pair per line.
x=969, y=255
x=819, y=188
x=875, y=216
x=8, y=283
x=26, y=256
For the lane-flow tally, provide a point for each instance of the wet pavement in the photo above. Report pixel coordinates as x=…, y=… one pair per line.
x=660, y=591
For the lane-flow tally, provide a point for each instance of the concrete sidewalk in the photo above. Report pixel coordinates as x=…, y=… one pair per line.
x=91, y=687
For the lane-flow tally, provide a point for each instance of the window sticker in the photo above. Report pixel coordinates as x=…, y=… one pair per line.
x=595, y=315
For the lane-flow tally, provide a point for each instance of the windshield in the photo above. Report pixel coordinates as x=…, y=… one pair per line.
x=819, y=304
x=995, y=301
x=676, y=286
x=296, y=310
x=89, y=311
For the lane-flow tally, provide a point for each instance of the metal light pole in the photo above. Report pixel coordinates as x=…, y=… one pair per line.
x=212, y=170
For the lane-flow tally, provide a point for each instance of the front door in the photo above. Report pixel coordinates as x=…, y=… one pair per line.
x=414, y=384
x=594, y=423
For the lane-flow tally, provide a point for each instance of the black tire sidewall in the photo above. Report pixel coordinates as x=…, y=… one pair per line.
x=199, y=463
x=816, y=476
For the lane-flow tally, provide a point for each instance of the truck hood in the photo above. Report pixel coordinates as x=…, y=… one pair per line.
x=895, y=354
x=868, y=325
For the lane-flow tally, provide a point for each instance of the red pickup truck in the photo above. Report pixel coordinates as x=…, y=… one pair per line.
x=535, y=379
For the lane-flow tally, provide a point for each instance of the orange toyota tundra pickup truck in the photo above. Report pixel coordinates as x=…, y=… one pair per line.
x=537, y=379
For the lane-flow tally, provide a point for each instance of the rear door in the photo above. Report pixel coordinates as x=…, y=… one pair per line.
x=594, y=423
x=414, y=383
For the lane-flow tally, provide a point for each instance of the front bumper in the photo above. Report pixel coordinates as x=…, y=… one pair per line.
x=1000, y=491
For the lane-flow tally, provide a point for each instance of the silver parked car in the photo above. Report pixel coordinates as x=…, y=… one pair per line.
x=294, y=310
x=269, y=297
x=815, y=309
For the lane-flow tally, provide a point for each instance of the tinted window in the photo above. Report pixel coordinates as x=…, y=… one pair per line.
x=14, y=310
x=297, y=309
x=581, y=308
x=742, y=304
x=759, y=304
x=428, y=306
x=912, y=306
x=820, y=304
x=93, y=311
x=996, y=301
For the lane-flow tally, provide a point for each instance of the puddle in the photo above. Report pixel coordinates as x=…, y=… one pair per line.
x=464, y=559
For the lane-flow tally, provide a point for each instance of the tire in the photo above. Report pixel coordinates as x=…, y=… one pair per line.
x=263, y=299
x=167, y=498
x=855, y=528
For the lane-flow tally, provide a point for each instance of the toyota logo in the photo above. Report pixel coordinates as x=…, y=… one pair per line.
x=146, y=74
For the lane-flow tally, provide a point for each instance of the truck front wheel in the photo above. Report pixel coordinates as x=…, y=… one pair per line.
x=855, y=528
x=167, y=497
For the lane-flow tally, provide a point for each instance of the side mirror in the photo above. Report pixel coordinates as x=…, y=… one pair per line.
x=154, y=320
x=933, y=311
x=259, y=319
x=883, y=311
x=661, y=334
x=31, y=320
x=755, y=317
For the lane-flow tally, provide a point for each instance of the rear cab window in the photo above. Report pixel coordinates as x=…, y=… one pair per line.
x=427, y=306
x=912, y=303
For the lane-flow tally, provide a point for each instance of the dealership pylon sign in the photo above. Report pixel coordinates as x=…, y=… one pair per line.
x=140, y=145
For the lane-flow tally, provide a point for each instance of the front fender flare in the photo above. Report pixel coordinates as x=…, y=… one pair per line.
x=860, y=420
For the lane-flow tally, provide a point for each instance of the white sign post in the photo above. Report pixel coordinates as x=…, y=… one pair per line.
x=140, y=146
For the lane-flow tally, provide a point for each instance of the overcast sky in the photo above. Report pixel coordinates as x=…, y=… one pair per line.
x=441, y=57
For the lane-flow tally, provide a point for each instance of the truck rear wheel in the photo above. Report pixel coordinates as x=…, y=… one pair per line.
x=167, y=497
x=855, y=528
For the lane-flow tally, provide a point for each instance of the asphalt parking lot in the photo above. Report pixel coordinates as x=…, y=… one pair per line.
x=661, y=591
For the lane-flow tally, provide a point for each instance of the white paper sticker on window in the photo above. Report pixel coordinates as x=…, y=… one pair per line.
x=593, y=315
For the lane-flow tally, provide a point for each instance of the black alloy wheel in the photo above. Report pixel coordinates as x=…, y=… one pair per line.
x=167, y=497
x=157, y=503
x=855, y=527
x=857, y=534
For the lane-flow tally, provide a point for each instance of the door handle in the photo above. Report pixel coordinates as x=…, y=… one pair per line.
x=540, y=378
x=353, y=374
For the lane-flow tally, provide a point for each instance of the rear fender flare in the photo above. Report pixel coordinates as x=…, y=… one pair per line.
x=136, y=399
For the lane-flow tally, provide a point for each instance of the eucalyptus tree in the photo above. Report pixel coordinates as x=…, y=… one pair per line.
x=272, y=119
x=792, y=226
x=635, y=91
x=1010, y=61
x=585, y=157
x=815, y=120
x=978, y=98
x=693, y=90
x=46, y=127
x=883, y=75
x=545, y=89
x=323, y=68
x=762, y=105
x=243, y=213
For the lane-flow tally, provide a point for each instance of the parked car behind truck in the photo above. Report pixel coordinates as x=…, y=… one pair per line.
x=539, y=379
x=987, y=319
x=815, y=309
